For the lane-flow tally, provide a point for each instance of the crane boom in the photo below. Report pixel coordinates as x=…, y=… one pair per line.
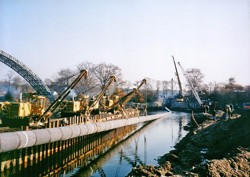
x=100, y=95
x=62, y=96
x=132, y=93
x=123, y=100
x=177, y=75
x=191, y=85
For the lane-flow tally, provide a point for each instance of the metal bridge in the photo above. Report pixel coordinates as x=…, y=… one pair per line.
x=25, y=72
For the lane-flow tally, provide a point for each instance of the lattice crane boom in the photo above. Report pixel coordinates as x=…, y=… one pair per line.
x=191, y=85
x=178, y=78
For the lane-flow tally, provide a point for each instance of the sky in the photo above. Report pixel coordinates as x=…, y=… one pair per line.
x=139, y=36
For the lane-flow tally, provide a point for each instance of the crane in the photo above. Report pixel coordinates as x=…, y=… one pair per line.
x=129, y=96
x=40, y=121
x=99, y=97
x=191, y=85
x=120, y=104
x=180, y=95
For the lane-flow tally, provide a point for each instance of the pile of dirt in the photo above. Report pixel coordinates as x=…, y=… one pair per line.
x=213, y=148
x=237, y=165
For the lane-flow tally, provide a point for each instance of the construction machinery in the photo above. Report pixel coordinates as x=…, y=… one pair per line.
x=96, y=102
x=84, y=105
x=179, y=96
x=119, y=105
x=35, y=106
x=32, y=112
x=196, y=95
x=74, y=107
x=18, y=112
x=42, y=119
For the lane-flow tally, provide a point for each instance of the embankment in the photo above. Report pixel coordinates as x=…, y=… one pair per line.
x=215, y=148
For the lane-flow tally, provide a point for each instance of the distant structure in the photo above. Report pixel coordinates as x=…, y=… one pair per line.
x=25, y=72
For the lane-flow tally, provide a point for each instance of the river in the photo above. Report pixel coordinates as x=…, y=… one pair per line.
x=142, y=147
x=111, y=153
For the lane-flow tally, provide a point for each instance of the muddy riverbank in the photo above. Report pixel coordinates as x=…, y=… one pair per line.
x=214, y=148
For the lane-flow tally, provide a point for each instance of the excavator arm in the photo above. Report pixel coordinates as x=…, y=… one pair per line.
x=49, y=111
x=100, y=95
x=120, y=104
x=132, y=94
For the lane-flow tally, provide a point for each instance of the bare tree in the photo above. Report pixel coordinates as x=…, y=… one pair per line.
x=158, y=87
x=48, y=81
x=126, y=85
x=103, y=71
x=14, y=84
x=17, y=83
x=148, y=91
x=65, y=76
x=26, y=87
x=9, y=78
x=232, y=86
x=86, y=85
x=195, y=76
x=168, y=87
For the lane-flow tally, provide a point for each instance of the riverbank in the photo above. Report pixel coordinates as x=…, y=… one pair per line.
x=214, y=148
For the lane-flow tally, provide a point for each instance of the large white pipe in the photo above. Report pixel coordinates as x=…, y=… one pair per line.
x=22, y=139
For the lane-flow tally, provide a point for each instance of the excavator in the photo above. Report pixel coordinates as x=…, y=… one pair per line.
x=43, y=118
x=119, y=105
x=34, y=105
x=17, y=113
x=83, y=105
x=33, y=112
x=95, y=105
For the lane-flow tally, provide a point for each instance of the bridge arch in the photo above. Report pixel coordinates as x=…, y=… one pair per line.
x=25, y=72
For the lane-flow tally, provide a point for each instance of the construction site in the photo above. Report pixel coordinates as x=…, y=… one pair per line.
x=50, y=136
x=38, y=127
x=124, y=88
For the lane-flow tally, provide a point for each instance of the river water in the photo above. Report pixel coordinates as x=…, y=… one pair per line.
x=110, y=153
x=144, y=146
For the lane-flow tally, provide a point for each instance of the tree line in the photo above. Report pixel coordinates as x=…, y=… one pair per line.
x=99, y=74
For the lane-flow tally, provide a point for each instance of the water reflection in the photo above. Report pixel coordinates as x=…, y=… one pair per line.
x=60, y=158
x=111, y=153
x=117, y=152
x=143, y=147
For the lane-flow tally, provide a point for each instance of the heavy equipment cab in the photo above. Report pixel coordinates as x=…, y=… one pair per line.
x=38, y=104
x=96, y=101
x=31, y=109
x=84, y=104
x=33, y=105
x=42, y=119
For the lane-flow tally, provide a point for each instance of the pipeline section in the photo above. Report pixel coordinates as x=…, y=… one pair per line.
x=23, y=139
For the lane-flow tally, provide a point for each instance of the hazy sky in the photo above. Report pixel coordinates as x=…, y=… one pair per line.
x=139, y=36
